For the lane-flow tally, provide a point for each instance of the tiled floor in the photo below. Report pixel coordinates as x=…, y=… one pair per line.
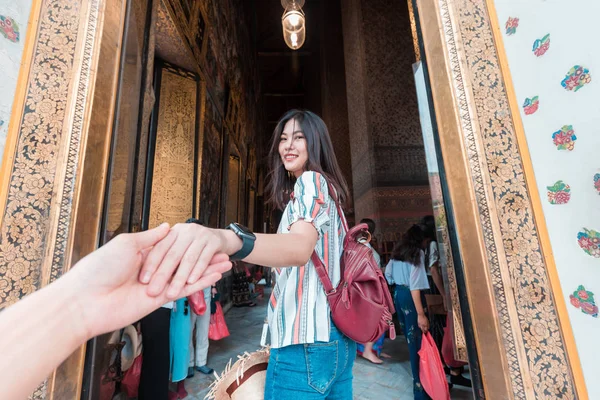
x=391, y=380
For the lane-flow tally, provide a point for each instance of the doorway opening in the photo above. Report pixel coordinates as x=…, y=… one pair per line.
x=202, y=85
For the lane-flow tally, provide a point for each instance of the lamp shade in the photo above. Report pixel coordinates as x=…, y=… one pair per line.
x=293, y=23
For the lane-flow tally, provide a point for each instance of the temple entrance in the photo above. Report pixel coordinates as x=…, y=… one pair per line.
x=182, y=145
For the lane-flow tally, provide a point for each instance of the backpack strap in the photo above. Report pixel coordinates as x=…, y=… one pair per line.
x=320, y=268
x=322, y=273
x=334, y=197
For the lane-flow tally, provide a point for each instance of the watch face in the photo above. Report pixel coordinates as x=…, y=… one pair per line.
x=243, y=230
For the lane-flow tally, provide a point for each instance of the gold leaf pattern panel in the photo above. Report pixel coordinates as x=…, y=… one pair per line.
x=173, y=172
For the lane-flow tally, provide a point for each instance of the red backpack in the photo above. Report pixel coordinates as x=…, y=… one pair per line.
x=361, y=304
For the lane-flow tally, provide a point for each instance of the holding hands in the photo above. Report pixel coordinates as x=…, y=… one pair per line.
x=116, y=285
x=134, y=274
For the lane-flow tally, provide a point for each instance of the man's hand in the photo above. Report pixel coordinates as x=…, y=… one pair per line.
x=106, y=287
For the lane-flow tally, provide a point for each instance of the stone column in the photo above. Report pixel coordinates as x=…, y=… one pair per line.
x=388, y=159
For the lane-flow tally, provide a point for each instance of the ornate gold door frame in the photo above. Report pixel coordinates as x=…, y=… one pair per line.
x=523, y=345
x=61, y=137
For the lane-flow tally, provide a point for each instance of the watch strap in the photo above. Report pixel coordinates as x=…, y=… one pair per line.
x=247, y=243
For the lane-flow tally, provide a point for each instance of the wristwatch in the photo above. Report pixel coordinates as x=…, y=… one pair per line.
x=247, y=237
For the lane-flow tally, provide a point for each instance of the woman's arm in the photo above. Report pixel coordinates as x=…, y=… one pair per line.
x=422, y=320
x=189, y=247
x=277, y=250
x=388, y=273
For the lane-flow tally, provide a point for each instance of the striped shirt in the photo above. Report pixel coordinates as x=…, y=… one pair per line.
x=298, y=310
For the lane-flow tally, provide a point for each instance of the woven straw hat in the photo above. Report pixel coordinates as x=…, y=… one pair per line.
x=244, y=380
x=132, y=347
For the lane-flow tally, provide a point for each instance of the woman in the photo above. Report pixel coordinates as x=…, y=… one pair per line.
x=310, y=357
x=407, y=271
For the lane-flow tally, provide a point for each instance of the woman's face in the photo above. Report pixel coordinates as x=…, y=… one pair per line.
x=292, y=148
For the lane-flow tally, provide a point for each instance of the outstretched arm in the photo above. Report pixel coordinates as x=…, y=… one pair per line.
x=100, y=294
x=189, y=248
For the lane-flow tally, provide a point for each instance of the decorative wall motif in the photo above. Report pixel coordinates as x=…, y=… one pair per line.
x=564, y=139
x=584, y=300
x=531, y=105
x=576, y=78
x=559, y=193
x=571, y=64
x=597, y=182
x=13, y=22
x=511, y=25
x=529, y=327
x=9, y=29
x=541, y=46
x=173, y=177
x=589, y=241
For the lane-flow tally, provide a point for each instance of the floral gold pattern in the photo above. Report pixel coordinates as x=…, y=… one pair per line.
x=26, y=220
x=541, y=355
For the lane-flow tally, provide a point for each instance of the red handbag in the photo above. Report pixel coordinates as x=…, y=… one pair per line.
x=197, y=302
x=217, y=328
x=431, y=370
x=361, y=305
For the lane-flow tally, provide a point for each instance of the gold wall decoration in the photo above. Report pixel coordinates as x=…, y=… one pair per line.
x=24, y=232
x=520, y=343
x=173, y=172
x=233, y=190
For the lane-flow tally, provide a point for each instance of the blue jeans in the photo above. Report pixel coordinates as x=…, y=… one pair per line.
x=407, y=316
x=312, y=371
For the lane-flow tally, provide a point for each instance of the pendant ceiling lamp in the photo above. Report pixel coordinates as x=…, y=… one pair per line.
x=293, y=23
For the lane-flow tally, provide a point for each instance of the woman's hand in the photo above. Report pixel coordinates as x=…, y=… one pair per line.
x=105, y=285
x=185, y=255
x=423, y=322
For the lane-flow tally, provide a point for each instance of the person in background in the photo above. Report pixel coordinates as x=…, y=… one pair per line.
x=199, y=352
x=407, y=271
x=372, y=350
x=436, y=282
x=102, y=293
x=180, y=336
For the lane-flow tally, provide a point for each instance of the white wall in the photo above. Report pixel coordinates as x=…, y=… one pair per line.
x=11, y=51
x=574, y=31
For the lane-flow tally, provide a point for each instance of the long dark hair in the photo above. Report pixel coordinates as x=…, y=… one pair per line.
x=409, y=248
x=428, y=226
x=321, y=158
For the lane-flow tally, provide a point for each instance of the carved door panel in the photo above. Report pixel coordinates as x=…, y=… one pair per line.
x=172, y=175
